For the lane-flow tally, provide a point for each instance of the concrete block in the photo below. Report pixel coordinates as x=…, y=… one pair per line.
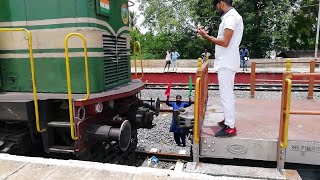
x=8, y=168
x=33, y=171
x=234, y=171
x=3, y=155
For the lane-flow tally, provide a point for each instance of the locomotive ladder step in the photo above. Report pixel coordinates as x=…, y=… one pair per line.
x=62, y=149
x=59, y=124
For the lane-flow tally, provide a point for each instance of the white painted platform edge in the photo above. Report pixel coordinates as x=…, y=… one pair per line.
x=114, y=168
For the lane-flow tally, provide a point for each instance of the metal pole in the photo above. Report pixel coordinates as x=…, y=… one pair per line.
x=253, y=79
x=317, y=36
x=196, y=130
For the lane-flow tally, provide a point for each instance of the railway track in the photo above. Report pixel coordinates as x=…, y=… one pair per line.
x=242, y=87
x=155, y=159
x=171, y=157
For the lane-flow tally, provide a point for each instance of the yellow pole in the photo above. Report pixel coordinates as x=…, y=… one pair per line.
x=199, y=64
x=196, y=130
x=288, y=65
x=34, y=86
x=284, y=144
x=135, y=59
x=137, y=43
x=140, y=56
x=66, y=48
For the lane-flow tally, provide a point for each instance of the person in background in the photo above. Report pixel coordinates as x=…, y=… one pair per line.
x=205, y=55
x=227, y=60
x=174, y=56
x=168, y=60
x=179, y=134
x=244, y=57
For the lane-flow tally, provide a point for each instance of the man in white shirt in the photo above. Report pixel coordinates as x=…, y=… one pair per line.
x=227, y=60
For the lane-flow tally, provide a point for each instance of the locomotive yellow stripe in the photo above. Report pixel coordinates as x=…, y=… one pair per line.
x=50, y=55
x=60, y=21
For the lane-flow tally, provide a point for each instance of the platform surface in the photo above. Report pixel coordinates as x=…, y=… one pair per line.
x=257, y=123
x=30, y=168
x=241, y=171
x=260, y=119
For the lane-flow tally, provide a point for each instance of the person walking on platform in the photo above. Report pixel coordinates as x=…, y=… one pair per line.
x=174, y=56
x=178, y=133
x=205, y=56
x=227, y=60
x=168, y=60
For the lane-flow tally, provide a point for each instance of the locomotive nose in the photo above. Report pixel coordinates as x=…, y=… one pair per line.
x=105, y=133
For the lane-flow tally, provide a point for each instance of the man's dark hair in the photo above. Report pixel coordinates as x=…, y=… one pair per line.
x=178, y=96
x=228, y=2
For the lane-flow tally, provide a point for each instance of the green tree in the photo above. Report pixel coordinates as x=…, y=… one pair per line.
x=266, y=24
x=302, y=30
x=168, y=15
x=269, y=24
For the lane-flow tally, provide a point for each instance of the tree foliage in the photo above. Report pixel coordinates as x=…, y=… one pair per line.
x=269, y=25
x=302, y=29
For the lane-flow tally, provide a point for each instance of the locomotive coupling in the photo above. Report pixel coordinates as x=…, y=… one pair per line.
x=154, y=105
x=184, y=118
x=106, y=133
x=143, y=115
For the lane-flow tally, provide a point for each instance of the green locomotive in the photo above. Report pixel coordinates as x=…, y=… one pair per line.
x=35, y=111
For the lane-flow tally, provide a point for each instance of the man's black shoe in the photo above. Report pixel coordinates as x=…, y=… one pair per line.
x=226, y=132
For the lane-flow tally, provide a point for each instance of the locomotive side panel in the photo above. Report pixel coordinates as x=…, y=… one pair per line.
x=49, y=23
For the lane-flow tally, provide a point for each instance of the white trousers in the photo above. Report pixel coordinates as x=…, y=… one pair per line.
x=226, y=86
x=174, y=62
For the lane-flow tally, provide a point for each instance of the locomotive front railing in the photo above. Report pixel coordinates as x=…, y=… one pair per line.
x=196, y=128
x=135, y=59
x=66, y=48
x=288, y=62
x=286, y=111
x=201, y=98
x=34, y=86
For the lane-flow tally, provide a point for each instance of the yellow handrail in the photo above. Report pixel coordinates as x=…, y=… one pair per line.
x=196, y=112
x=135, y=59
x=284, y=139
x=34, y=86
x=66, y=48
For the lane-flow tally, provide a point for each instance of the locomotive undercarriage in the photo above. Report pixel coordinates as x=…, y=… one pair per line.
x=106, y=136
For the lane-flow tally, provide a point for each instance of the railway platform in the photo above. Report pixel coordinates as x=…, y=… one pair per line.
x=257, y=123
x=282, y=131
x=18, y=167
x=158, y=75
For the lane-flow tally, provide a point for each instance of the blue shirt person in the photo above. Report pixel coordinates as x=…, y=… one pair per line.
x=178, y=133
x=244, y=57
